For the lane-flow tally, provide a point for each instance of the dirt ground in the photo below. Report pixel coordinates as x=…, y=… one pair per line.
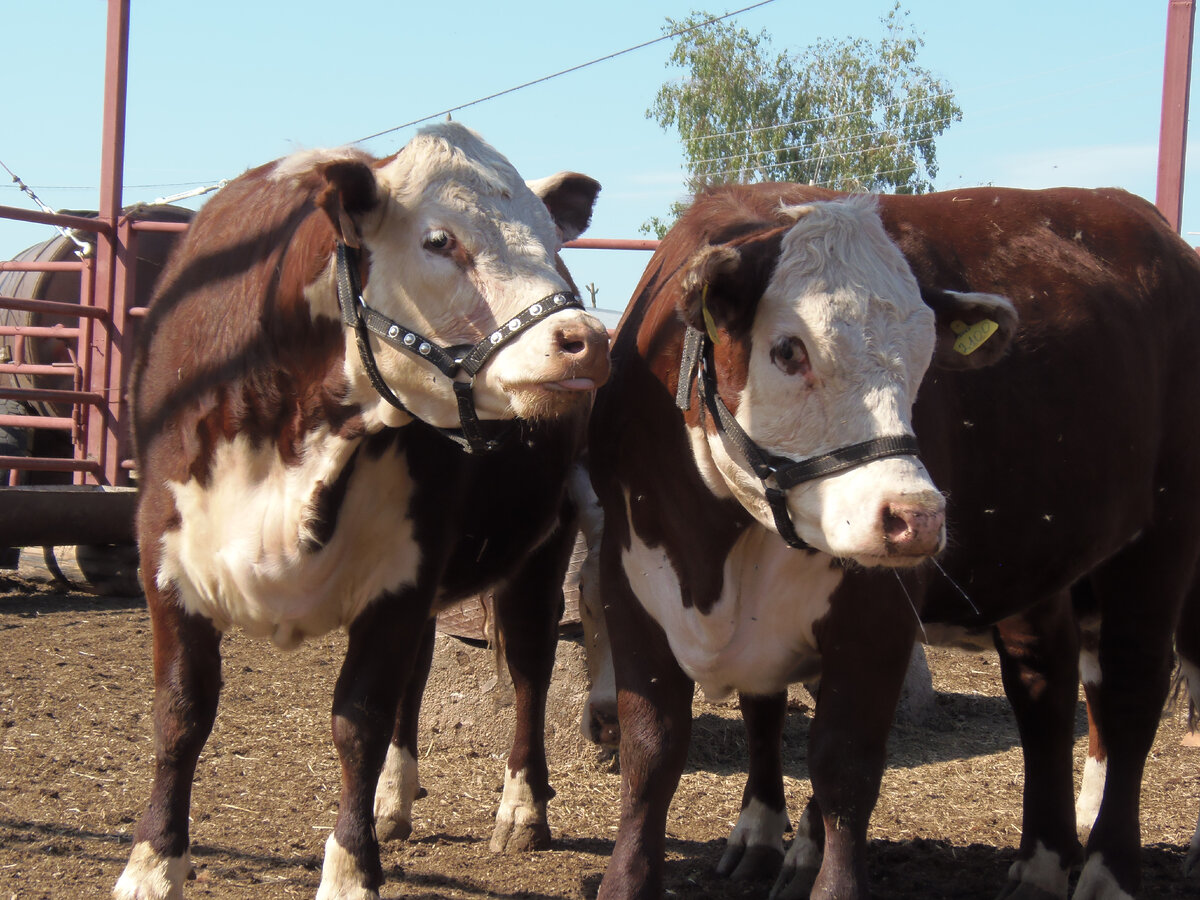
x=76, y=750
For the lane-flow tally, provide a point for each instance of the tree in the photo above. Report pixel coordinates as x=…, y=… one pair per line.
x=846, y=114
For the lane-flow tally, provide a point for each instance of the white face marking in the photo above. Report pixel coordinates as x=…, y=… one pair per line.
x=760, y=632
x=341, y=878
x=1044, y=870
x=840, y=342
x=461, y=247
x=236, y=558
x=148, y=876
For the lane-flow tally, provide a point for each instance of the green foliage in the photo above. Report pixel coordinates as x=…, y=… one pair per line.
x=847, y=114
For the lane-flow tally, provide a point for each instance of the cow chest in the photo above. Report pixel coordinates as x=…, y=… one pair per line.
x=292, y=551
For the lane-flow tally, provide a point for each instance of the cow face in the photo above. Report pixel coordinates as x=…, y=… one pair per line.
x=457, y=245
x=824, y=342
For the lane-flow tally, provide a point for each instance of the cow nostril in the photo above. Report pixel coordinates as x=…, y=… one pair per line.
x=895, y=526
x=572, y=347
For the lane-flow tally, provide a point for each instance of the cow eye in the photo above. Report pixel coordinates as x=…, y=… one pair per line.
x=439, y=241
x=791, y=357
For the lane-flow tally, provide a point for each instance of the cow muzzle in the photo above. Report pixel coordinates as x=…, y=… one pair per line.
x=453, y=362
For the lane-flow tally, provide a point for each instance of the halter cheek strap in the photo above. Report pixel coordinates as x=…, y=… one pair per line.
x=475, y=436
x=777, y=473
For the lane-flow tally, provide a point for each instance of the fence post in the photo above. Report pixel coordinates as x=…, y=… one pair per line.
x=102, y=439
x=1172, y=136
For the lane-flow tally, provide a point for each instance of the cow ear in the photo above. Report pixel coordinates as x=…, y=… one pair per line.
x=570, y=197
x=973, y=330
x=348, y=193
x=721, y=283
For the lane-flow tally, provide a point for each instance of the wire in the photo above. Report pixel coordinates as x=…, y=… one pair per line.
x=544, y=78
x=83, y=249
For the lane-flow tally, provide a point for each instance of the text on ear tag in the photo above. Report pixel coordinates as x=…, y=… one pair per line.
x=972, y=337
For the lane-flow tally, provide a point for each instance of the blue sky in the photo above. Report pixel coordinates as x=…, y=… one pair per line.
x=1052, y=93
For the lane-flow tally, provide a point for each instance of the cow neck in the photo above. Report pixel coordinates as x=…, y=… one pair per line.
x=777, y=473
x=475, y=436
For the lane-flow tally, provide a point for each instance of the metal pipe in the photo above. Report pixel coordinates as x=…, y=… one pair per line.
x=80, y=223
x=45, y=423
x=64, y=369
x=51, y=307
x=610, y=244
x=14, y=265
x=146, y=225
x=39, y=464
x=42, y=331
x=1172, y=137
x=99, y=422
x=50, y=395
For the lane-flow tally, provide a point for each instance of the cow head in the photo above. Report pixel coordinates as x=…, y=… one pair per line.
x=454, y=246
x=822, y=339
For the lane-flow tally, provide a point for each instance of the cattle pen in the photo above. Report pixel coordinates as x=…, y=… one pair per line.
x=947, y=824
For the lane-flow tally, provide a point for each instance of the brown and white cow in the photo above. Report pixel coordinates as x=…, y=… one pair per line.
x=299, y=469
x=1065, y=449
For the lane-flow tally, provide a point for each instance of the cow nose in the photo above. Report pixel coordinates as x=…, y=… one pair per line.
x=914, y=529
x=584, y=347
x=575, y=338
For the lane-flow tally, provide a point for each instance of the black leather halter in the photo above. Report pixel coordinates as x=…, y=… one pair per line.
x=785, y=473
x=475, y=436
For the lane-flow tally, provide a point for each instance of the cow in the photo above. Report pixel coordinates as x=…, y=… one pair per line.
x=1043, y=483
x=360, y=389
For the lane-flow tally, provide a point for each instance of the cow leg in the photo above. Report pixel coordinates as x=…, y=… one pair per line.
x=1138, y=593
x=599, y=720
x=187, y=684
x=654, y=705
x=863, y=668
x=755, y=847
x=383, y=644
x=399, y=783
x=1187, y=645
x=528, y=610
x=1091, y=789
x=1039, y=653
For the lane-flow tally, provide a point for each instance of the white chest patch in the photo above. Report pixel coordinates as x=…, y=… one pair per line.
x=758, y=637
x=237, y=556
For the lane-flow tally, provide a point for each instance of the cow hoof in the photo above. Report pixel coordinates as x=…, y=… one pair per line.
x=794, y=883
x=749, y=863
x=392, y=829
x=1191, y=865
x=1097, y=882
x=149, y=876
x=511, y=837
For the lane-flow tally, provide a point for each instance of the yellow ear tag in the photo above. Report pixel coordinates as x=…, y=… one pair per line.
x=972, y=337
x=709, y=325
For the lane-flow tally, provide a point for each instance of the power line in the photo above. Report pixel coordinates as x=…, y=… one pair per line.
x=665, y=37
x=835, y=139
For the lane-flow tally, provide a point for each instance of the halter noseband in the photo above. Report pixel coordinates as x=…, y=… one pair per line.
x=786, y=473
x=475, y=436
